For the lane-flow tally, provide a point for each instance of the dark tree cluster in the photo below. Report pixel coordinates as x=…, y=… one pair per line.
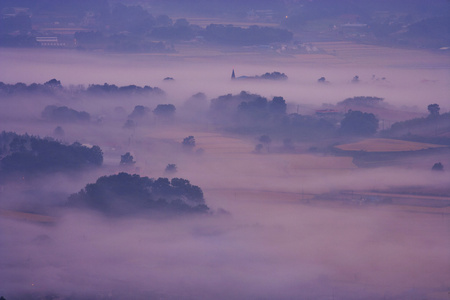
x=188, y=143
x=252, y=113
x=254, y=35
x=306, y=127
x=64, y=114
x=127, y=159
x=89, y=37
x=49, y=88
x=139, y=112
x=269, y=76
x=125, y=194
x=122, y=90
x=171, y=169
x=359, y=123
x=24, y=154
x=165, y=110
x=124, y=42
x=247, y=109
x=437, y=167
x=274, y=76
x=16, y=23
x=430, y=129
x=181, y=30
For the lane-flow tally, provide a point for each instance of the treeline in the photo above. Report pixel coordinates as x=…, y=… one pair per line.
x=26, y=155
x=254, y=35
x=125, y=194
x=181, y=30
x=431, y=129
x=54, y=87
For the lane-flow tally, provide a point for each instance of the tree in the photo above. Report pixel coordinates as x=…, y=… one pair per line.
x=258, y=148
x=358, y=123
x=139, y=111
x=53, y=83
x=171, y=168
x=165, y=110
x=64, y=114
x=129, y=124
x=181, y=23
x=434, y=110
x=277, y=106
x=59, y=132
x=32, y=155
x=355, y=79
x=127, y=159
x=438, y=167
x=188, y=143
x=265, y=139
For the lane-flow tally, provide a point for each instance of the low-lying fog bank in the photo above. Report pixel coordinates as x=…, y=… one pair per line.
x=265, y=249
x=406, y=83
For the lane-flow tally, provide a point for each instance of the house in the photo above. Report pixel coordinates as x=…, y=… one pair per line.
x=49, y=41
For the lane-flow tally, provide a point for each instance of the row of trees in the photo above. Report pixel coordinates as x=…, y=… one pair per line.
x=430, y=129
x=30, y=155
x=54, y=87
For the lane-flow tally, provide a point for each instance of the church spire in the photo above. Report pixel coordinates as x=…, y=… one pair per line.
x=233, y=76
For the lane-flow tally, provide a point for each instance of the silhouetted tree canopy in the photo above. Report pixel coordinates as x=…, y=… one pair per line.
x=431, y=129
x=139, y=112
x=64, y=114
x=171, y=168
x=130, y=89
x=355, y=79
x=438, y=167
x=126, y=194
x=129, y=124
x=59, y=131
x=127, y=159
x=254, y=35
x=434, y=110
x=359, y=123
x=248, y=110
x=188, y=143
x=165, y=110
x=26, y=154
x=54, y=87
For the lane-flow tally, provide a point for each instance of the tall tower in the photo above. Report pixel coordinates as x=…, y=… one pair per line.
x=233, y=76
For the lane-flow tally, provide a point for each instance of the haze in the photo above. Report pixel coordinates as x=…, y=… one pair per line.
x=295, y=224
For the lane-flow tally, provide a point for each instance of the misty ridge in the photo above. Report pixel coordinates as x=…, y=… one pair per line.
x=213, y=149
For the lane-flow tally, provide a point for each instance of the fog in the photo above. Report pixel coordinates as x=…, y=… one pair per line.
x=267, y=237
x=410, y=80
x=266, y=249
